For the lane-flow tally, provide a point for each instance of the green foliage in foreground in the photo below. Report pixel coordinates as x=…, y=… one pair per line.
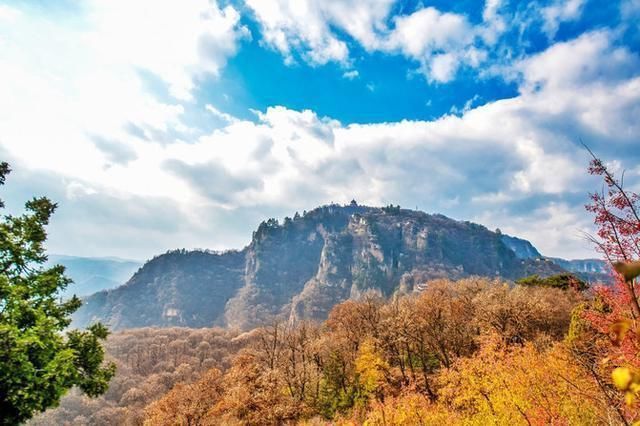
x=38, y=363
x=561, y=281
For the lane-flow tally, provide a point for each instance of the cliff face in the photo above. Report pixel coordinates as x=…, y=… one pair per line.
x=303, y=267
x=341, y=252
x=522, y=248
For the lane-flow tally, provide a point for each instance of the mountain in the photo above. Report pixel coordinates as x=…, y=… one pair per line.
x=91, y=274
x=522, y=248
x=177, y=288
x=589, y=270
x=302, y=267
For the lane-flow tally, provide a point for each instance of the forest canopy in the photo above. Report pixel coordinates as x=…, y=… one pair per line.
x=371, y=356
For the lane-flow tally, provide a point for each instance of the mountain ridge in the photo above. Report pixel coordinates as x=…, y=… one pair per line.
x=301, y=267
x=589, y=270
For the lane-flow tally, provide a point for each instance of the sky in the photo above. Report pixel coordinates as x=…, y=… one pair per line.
x=183, y=124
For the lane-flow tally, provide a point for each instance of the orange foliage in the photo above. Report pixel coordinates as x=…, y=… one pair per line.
x=522, y=385
x=186, y=404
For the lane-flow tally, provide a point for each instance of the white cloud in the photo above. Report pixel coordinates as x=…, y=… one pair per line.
x=560, y=11
x=484, y=164
x=490, y=11
x=71, y=85
x=443, y=67
x=493, y=159
x=440, y=42
x=304, y=26
x=588, y=58
x=228, y=118
x=178, y=41
x=428, y=30
x=8, y=13
x=351, y=75
x=437, y=40
x=557, y=229
x=77, y=189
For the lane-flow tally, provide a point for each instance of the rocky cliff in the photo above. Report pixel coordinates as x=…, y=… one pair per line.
x=302, y=267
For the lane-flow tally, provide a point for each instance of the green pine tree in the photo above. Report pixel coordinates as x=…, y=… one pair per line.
x=39, y=361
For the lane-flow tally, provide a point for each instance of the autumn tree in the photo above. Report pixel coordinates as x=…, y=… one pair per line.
x=38, y=363
x=146, y=372
x=301, y=363
x=617, y=217
x=610, y=321
x=562, y=281
x=410, y=409
x=507, y=384
x=524, y=313
x=187, y=404
x=371, y=370
x=255, y=394
x=432, y=330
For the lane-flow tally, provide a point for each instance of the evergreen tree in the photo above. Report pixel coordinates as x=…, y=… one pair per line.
x=39, y=362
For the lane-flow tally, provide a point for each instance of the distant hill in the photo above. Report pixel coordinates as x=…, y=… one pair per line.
x=302, y=267
x=179, y=287
x=590, y=270
x=90, y=274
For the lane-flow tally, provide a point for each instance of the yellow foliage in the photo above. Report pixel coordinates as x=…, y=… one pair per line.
x=622, y=377
x=408, y=410
x=627, y=380
x=370, y=368
x=520, y=385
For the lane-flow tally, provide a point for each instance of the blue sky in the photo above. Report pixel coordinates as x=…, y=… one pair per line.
x=158, y=125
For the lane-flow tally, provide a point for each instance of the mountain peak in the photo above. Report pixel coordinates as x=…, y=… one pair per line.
x=304, y=265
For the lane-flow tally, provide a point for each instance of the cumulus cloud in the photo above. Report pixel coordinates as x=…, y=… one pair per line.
x=560, y=11
x=306, y=26
x=494, y=158
x=440, y=42
x=115, y=151
x=288, y=26
x=429, y=30
x=177, y=41
x=513, y=163
x=225, y=117
x=483, y=163
x=590, y=57
x=213, y=180
x=68, y=76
